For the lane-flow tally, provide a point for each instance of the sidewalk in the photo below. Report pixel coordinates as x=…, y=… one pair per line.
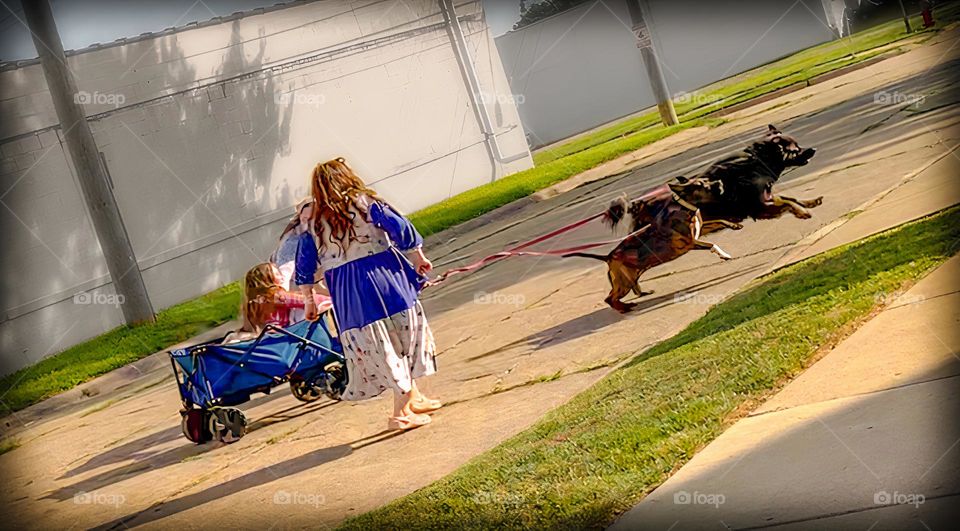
x=867, y=438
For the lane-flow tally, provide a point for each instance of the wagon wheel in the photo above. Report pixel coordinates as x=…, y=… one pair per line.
x=304, y=391
x=195, y=425
x=228, y=424
x=336, y=380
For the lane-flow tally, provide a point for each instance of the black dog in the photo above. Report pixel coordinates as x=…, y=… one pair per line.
x=668, y=222
x=735, y=188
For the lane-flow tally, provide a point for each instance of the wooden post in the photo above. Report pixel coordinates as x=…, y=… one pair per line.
x=102, y=205
x=906, y=18
x=645, y=42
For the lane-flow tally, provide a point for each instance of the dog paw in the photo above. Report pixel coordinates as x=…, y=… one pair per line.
x=817, y=202
x=803, y=214
x=736, y=226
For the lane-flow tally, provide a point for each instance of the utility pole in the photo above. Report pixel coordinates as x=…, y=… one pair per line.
x=645, y=42
x=906, y=18
x=97, y=193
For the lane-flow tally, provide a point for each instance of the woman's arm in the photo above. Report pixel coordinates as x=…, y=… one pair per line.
x=402, y=233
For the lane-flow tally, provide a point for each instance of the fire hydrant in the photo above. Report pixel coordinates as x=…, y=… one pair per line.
x=926, y=11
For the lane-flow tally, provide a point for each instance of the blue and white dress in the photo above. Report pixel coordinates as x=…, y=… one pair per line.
x=386, y=339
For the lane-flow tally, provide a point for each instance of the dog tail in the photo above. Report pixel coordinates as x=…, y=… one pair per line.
x=616, y=212
x=600, y=257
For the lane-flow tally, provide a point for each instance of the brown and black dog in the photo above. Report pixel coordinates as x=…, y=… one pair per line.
x=667, y=228
x=668, y=222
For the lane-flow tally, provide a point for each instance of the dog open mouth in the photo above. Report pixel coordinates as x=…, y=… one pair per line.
x=800, y=158
x=767, y=195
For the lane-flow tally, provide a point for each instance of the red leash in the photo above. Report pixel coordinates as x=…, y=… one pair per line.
x=518, y=250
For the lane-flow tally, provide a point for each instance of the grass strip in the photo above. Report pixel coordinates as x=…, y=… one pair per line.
x=600, y=453
x=118, y=347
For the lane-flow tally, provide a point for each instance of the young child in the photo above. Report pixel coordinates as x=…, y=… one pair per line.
x=374, y=269
x=265, y=301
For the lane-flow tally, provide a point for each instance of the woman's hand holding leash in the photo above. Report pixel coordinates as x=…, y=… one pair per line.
x=420, y=262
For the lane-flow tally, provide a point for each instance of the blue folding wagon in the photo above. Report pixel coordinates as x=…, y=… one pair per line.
x=214, y=377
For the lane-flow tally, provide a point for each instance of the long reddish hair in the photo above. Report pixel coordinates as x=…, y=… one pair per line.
x=335, y=188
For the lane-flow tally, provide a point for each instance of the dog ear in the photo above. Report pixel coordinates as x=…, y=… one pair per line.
x=682, y=180
x=772, y=129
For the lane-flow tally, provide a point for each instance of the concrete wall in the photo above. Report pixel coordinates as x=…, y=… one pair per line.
x=209, y=133
x=581, y=68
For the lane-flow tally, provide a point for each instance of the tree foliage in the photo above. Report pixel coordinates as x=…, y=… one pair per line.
x=533, y=10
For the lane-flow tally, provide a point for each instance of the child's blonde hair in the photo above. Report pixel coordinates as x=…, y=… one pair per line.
x=261, y=292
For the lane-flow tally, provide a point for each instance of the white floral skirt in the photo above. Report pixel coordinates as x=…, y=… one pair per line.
x=388, y=354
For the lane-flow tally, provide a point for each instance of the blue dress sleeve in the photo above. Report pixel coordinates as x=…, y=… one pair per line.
x=402, y=233
x=306, y=260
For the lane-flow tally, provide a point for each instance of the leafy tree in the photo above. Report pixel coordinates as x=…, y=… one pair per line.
x=541, y=9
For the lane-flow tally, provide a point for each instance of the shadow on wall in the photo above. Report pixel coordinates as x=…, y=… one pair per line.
x=193, y=174
x=209, y=156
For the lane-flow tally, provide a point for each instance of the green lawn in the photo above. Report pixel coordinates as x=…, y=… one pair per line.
x=117, y=348
x=597, y=455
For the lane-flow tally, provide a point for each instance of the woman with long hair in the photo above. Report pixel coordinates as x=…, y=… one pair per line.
x=374, y=268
